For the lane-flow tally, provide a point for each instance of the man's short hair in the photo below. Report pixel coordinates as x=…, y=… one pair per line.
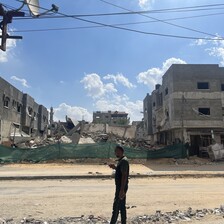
x=120, y=148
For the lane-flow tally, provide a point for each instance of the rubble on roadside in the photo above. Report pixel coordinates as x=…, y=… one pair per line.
x=194, y=160
x=159, y=217
x=100, y=137
x=72, y=131
x=36, y=142
x=178, y=216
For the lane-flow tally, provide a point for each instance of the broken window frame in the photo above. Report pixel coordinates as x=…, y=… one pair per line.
x=30, y=111
x=202, y=111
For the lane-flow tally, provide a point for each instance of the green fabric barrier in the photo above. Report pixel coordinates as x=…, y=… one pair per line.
x=97, y=150
x=172, y=151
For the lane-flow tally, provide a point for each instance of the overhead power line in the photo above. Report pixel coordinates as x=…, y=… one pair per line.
x=165, y=22
x=132, y=30
x=183, y=9
x=118, y=24
x=82, y=15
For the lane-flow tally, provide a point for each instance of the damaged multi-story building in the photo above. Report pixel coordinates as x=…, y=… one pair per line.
x=187, y=107
x=111, y=117
x=19, y=113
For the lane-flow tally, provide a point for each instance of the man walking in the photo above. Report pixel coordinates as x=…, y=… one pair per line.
x=121, y=182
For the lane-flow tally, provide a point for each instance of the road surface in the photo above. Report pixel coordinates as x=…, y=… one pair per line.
x=68, y=198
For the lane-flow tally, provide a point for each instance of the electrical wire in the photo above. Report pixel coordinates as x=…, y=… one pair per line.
x=14, y=8
x=133, y=30
x=83, y=15
x=165, y=22
x=131, y=12
x=118, y=24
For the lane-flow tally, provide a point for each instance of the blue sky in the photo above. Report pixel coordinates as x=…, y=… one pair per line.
x=82, y=70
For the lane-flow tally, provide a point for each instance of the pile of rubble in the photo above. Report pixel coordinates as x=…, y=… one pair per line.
x=100, y=137
x=194, y=160
x=63, y=220
x=158, y=218
x=40, y=142
x=178, y=216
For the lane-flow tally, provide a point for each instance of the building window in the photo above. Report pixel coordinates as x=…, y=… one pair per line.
x=160, y=99
x=222, y=87
x=167, y=113
x=34, y=115
x=203, y=85
x=6, y=102
x=19, y=107
x=14, y=104
x=222, y=139
x=30, y=111
x=44, y=118
x=204, y=111
x=166, y=91
x=154, y=104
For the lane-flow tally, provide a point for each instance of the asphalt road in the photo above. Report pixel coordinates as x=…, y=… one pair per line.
x=63, y=198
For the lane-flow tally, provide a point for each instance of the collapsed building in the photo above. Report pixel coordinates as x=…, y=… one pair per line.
x=110, y=117
x=20, y=115
x=188, y=107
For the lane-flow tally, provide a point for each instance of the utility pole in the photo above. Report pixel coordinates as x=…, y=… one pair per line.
x=7, y=18
x=182, y=123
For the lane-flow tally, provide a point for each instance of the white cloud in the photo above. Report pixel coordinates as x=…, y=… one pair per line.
x=62, y=82
x=10, y=45
x=153, y=76
x=23, y=82
x=120, y=78
x=200, y=42
x=106, y=97
x=217, y=52
x=95, y=87
x=214, y=47
x=145, y=4
x=76, y=113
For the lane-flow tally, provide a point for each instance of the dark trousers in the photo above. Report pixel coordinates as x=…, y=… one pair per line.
x=119, y=206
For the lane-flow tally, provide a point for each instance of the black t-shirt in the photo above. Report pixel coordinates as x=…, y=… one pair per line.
x=122, y=166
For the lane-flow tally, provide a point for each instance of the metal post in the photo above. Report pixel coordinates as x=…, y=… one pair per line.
x=7, y=18
x=182, y=125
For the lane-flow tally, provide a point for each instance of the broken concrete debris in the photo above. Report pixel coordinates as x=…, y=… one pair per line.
x=100, y=137
x=79, y=132
x=159, y=217
x=216, y=151
x=84, y=138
